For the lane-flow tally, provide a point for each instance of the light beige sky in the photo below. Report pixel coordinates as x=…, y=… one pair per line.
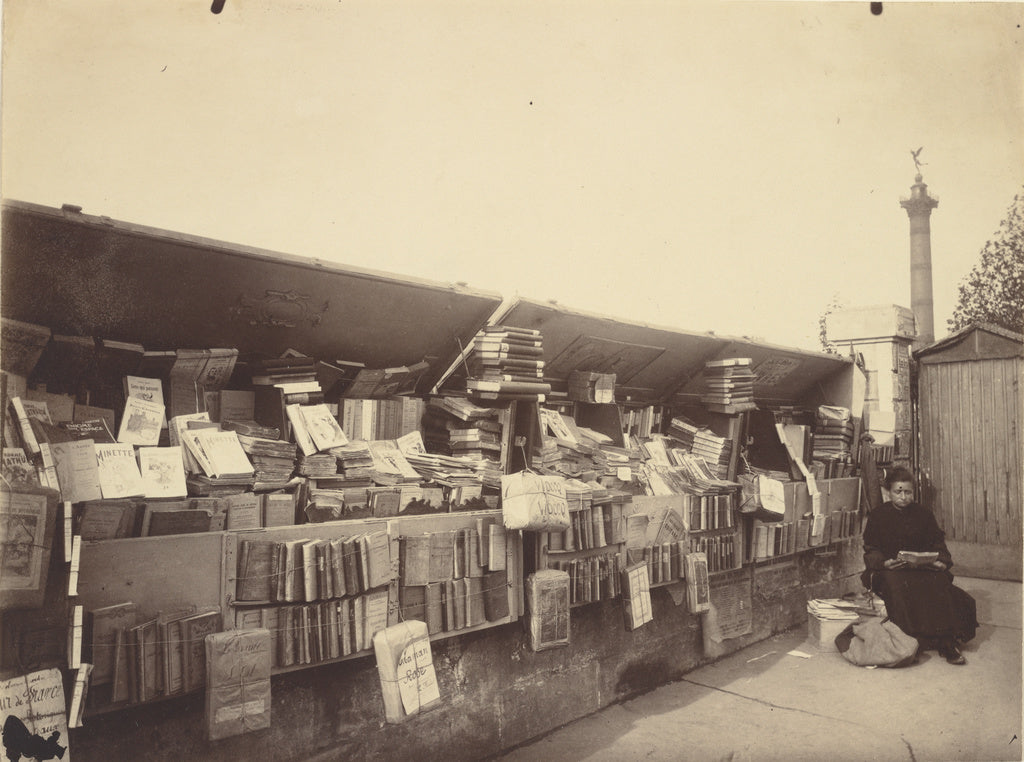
x=726, y=166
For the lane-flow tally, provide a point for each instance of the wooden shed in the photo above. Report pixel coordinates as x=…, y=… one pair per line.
x=970, y=457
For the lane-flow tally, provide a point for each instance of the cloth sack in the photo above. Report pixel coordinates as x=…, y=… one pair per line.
x=876, y=642
x=535, y=502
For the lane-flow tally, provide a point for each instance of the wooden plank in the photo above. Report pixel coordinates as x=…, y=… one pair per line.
x=157, y=573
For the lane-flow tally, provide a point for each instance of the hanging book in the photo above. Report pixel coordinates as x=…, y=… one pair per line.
x=27, y=521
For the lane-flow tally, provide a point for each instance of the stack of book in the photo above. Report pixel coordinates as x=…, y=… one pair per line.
x=317, y=465
x=833, y=434
x=446, y=416
x=683, y=431
x=283, y=371
x=355, y=465
x=272, y=458
x=507, y=363
x=715, y=450
x=587, y=386
x=729, y=385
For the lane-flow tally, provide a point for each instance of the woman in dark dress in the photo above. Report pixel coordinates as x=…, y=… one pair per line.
x=921, y=600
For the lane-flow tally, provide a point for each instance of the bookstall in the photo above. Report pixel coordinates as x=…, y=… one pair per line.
x=245, y=452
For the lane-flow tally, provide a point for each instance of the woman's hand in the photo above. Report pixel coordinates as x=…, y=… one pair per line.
x=939, y=565
x=894, y=563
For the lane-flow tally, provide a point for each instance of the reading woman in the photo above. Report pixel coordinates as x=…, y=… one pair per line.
x=907, y=564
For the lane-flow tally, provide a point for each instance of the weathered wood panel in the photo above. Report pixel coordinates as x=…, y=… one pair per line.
x=970, y=416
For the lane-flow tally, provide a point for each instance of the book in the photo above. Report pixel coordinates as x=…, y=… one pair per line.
x=237, y=697
x=28, y=518
x=636, y=595
x=96, y=429
x=21, y=345
x=18, y=471
x=118, y=471
x=375, y=612
x=375, y=550
x=162, y=472
x=298, y=430
x=79, y=691
x=141, y=422
x=414, y=559
x=406, y=668
x=243, y=511
x=322, y=427
x=194, y=630
x=917, y=558
x=77, y=470
x=224, y=453
x=37, y=728
x=110, y=519
x=25, y=410
x=278, y=509
x=179, y=517
x=547, y=602
x=495, y=595
x=255, y=570
x=146, y=662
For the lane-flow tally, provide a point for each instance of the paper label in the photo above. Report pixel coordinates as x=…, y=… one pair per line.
x=417, y=681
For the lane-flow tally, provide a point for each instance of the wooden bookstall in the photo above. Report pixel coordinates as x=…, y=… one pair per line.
x=262, y=302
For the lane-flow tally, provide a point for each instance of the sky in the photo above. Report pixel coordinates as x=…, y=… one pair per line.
x=726, y=166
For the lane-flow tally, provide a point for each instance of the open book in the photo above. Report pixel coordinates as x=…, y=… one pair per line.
x=918, y=558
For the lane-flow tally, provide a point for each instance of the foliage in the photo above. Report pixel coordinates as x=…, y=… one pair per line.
x=993, y=292
x=826, y=345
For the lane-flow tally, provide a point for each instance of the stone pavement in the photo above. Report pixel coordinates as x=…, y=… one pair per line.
x=763, y=704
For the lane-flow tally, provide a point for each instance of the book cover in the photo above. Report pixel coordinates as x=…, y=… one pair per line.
x=118, y=471
x=104, y=623
x=194, y=630
x=35, y=728
x=141, y=422
x=547, y=601
x=237, y=682
x=917, y=558
x=255, y=570
x=178, y=517
x=28, y=519
x=162, y=472
x=406, y=668
x=298, y=430
x=77, y=470
x=636, y=595
x=224, y=453
x=376, y=551
x=415, y=559
x=322, y=426
x=495, y=595
x=243, y=511
x=434, y=607
x=110, y=519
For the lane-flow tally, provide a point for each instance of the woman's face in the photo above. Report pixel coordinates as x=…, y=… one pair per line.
x=901, y=494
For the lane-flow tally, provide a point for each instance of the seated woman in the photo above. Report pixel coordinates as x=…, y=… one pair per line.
x=921, y=600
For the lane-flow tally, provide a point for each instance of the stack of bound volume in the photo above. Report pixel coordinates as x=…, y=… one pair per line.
x=272, y=458
x=729, y=385
x=507, y=363
x=833, y=433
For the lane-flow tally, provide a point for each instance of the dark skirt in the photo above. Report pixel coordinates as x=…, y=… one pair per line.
x=926, y=604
